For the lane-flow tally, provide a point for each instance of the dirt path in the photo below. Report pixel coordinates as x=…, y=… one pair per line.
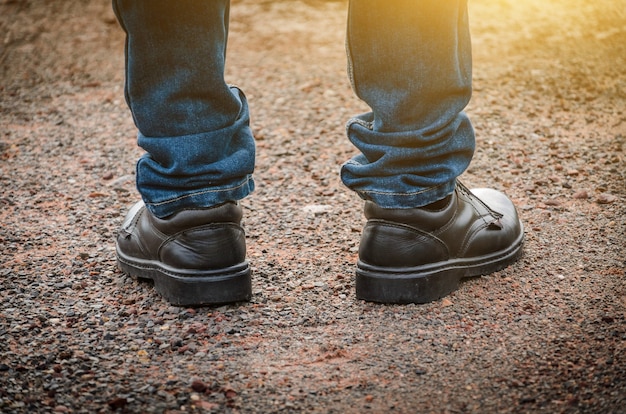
x=545, y=335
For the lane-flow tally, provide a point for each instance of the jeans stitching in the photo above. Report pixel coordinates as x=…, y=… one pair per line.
x=364, y=124
x=200, y=193
x=402, y=194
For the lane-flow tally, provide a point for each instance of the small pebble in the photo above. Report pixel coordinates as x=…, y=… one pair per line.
x=581, y=195
x=606, y=199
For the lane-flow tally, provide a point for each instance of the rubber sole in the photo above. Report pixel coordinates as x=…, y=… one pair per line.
x=182, y=287
x=428, y=283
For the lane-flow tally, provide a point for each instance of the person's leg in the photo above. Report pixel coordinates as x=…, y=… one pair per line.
x=186, y=234
x=193, y=126
x=410, y=61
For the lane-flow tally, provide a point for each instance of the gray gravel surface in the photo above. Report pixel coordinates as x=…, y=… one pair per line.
x=546, y=335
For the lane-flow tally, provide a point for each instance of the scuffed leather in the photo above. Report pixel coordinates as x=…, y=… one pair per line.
x=199, y=239
x=474, y=223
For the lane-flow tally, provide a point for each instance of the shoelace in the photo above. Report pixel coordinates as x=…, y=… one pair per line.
x=496, y=215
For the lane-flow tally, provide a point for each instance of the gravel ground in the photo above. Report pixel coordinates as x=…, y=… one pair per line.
x=546, y=335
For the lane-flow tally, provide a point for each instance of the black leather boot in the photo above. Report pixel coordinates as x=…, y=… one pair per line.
x=420, y=255
x=194, y=257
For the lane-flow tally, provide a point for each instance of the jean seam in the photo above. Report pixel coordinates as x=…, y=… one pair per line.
x=173, y=200
x=402, y=194
x=115, y=6
x=365, y=124
x=350, y=64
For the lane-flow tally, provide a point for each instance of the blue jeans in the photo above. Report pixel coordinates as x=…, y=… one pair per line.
x=409, y=60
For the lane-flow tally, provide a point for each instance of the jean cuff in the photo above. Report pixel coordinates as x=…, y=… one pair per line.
x=408, y=200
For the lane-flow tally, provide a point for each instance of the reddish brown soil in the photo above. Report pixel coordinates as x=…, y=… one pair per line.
x=546, y=335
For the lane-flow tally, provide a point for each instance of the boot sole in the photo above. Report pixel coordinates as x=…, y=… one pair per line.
x=431, y=282
x=189, y=287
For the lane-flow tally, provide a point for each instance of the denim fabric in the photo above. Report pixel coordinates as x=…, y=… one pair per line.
x=193, y=126
x=409, y=60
